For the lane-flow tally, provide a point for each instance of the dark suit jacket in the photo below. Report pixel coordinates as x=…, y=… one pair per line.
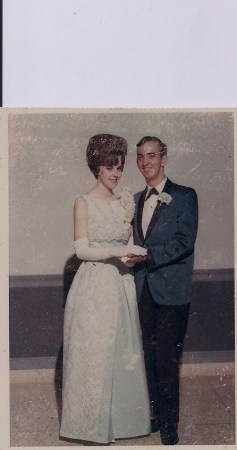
x=170, y=242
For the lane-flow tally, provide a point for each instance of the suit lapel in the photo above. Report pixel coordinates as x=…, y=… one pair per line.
x=139, y=214
x=153, y=220
x=157, y=210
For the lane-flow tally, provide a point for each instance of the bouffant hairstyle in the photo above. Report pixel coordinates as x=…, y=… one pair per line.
x=104, y=150
x=162, y=145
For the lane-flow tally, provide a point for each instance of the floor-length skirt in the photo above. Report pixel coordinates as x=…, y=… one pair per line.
x=105, y=393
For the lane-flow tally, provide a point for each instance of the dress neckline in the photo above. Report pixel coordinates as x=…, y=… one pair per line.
x=116, y=198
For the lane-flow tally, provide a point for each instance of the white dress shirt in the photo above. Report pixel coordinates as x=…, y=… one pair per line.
x=150, y=204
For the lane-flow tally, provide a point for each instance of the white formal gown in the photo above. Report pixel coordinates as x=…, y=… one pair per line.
x=105, y=393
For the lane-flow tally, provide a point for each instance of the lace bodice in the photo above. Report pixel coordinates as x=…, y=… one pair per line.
x=107, y=224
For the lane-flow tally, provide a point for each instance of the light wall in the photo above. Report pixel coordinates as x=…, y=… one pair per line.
x=47, y=169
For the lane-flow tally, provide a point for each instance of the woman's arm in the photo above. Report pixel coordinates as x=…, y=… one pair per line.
x=80, y=218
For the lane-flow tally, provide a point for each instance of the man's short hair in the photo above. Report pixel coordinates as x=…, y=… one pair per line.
x=162, y=145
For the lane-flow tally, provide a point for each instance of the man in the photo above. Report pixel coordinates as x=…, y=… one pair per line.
x=165, y=224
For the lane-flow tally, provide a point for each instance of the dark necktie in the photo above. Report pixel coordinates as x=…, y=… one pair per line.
x=151, y=192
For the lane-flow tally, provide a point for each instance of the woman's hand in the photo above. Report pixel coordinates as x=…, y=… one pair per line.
x=131, y=259
x=136, y=250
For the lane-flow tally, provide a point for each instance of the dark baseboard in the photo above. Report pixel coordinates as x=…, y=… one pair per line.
x=37, y=308
x=52, y=362
x=34, y=281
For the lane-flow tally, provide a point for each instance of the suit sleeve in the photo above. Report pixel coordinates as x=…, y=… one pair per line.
x=181, y=243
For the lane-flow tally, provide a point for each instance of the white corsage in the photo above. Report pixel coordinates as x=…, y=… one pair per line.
x=164, y=198
x=128, y=204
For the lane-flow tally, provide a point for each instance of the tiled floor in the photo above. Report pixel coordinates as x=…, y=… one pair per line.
x=207, y=414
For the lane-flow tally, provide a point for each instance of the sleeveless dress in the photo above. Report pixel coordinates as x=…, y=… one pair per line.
x=105, y=394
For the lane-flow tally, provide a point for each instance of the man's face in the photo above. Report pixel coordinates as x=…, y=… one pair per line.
x=150, y=163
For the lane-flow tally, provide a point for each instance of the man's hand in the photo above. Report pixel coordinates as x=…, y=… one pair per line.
x=132, y=260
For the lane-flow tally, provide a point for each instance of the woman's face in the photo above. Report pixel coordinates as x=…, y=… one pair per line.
x=109, y=175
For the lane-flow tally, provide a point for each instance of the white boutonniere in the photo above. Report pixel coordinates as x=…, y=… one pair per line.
x=128, y=204
x=164, y=198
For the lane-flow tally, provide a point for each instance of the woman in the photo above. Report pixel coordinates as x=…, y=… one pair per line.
x=104, y=384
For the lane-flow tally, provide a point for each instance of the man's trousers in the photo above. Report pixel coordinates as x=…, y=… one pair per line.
x=163, y=330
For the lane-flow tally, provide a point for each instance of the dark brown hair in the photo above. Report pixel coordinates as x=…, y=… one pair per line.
x=104, y=150
x=162, y=145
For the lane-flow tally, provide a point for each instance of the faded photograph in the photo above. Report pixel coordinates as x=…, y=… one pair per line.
x=121, y=237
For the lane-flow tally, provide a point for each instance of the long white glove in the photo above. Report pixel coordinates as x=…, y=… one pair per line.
x=84, y=252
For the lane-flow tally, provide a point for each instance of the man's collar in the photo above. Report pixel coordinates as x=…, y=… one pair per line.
x=159, y=186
